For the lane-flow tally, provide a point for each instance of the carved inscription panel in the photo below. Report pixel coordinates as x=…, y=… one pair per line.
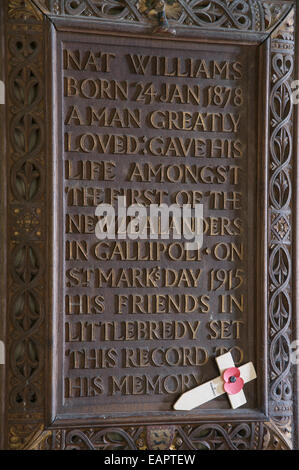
x=140, y=321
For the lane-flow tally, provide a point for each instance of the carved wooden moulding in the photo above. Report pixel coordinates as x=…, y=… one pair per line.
x=171, y=102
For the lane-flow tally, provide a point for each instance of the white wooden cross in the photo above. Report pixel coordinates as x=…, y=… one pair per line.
x=214, y=388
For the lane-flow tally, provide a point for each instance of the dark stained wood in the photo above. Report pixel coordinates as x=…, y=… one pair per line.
x=122, y=71
x=36, y=187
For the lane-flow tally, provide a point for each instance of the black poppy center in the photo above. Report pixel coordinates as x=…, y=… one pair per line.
x=232, y=379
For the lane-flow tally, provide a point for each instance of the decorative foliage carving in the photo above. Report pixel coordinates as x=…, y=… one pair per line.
x=28, y=437
x=24, y=10
x=219, y=14
x=273, y=439
x=116, y=9
x=102, y=439
x=26, y=179
x=244, y=15
x=207, y=436
x=21, y=435
x=25, y=117
x=280, y=188
x=272, y=13
x=27, y=223
x=239, y=436
x=228, y=436
x=286, y=29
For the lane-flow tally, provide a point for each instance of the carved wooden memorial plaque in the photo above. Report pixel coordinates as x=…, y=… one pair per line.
x=104, y=333
x=141, y=319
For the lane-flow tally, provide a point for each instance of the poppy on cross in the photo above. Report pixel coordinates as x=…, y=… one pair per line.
x=230, y=381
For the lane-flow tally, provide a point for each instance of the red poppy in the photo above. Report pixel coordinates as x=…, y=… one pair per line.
x=233, y=382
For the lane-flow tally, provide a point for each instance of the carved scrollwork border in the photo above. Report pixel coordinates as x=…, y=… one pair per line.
x=243, y=15
x=280, y=221
x=26, y=213
x=206, y=436
x=27, y=233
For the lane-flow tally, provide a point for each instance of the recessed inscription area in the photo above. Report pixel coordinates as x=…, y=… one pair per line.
x=141, y=321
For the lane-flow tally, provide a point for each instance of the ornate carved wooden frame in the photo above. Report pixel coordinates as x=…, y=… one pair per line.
x=25, y=252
